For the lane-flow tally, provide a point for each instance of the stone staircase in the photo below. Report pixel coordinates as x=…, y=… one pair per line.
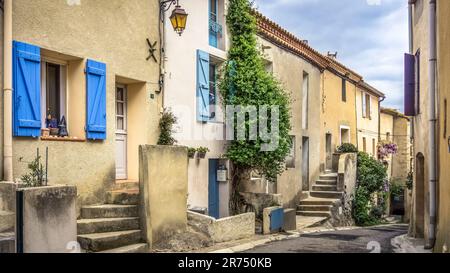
x=321, y=199
x=7, y=236
x=113, y=227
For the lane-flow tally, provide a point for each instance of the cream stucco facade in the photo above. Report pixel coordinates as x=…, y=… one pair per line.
x=180, y=95
x=69, y=34
x=301, y=79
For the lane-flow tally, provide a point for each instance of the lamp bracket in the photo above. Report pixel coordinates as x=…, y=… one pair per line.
x=166, y=4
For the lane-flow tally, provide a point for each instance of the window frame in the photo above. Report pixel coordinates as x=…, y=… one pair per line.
x=64, y=89
x=344, y=90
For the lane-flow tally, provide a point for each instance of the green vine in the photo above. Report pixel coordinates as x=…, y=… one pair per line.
x=245, y=82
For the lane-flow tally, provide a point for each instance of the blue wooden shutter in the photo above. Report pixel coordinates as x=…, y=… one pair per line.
x=410, y=98
x=26, y=90
x=202, y=86
x=96, y=100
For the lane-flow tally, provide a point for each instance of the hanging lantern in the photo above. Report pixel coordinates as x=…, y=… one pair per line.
x=178, y=19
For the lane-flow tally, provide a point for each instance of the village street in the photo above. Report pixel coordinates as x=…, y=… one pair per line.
x=364, y=240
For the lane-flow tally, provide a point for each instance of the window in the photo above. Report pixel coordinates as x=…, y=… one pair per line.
x=374, y=147
x=53, y=93
x=215, y=29
x=305, y=99
x=368, y=106
x=212, y=90
x=290, y=159
x=345, y=134
x=344, y=90
x=364, y=145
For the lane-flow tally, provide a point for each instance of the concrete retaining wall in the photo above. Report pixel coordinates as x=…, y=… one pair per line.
x=163, y=173
x=260, y=201
x=225, y=229
x=49, y=219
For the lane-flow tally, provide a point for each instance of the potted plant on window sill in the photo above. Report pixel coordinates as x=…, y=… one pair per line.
x=191, y=152
x=201, y=152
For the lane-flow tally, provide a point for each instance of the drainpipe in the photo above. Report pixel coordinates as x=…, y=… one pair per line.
x=7, y=91
x=379, y=118
x=433, y=121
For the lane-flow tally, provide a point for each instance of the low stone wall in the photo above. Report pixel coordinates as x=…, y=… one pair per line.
x=346, y=169
x=259, y=201
x=49, y=219
x=163, y=176
x=225, y=229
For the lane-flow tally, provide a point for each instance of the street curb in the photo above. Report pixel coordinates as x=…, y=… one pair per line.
x=291, y=235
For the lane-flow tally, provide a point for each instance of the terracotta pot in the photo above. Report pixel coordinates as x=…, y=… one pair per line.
x=45, y=132
x=54, y=131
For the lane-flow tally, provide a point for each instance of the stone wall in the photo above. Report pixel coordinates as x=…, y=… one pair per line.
x=49, y=219
x=259, y=201
x=226, y=229
x=163, y=172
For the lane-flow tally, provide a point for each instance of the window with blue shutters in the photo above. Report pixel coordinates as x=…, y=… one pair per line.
x=96, y=100
x=26, y=90
x=203, y=100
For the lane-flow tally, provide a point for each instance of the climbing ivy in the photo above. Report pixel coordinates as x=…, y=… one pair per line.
x=245, y=82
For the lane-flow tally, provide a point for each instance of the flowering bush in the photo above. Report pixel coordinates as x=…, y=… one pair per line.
x=385, y=149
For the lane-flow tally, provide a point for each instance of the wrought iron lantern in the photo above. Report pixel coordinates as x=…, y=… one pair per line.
x=179, y=16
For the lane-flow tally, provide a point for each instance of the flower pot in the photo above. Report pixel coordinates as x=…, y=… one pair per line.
x=201, y=155
x=54, y=131
x=191, y=155
x=45, y=132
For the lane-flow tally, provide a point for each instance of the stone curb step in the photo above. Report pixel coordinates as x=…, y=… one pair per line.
x=326, y=182
x=110, y=240
x=325, y=208
x=136, y=248
x=324, y=188
x=101, y=225
x=126, y=185
x=318, y=201
x=109, y=211
x=128, y=197
x=326, y=194
x=314, y=213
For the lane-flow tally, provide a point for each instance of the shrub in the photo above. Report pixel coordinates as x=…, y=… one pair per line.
x=396, y=189
x=36, y=176
x=166, y=123
x=347, y=148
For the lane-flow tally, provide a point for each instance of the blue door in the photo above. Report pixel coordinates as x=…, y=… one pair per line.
x=213, y=189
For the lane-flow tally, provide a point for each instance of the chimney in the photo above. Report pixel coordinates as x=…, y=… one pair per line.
x=332, y=55
x=305, y=41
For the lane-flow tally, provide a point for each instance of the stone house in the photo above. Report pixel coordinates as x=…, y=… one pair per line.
x=426, y=96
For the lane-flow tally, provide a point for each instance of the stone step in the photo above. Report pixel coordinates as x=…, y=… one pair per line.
x=326, y=194
x=101, y=225
x=331, y=176
x=7, y=220
x=326, y=182
x=110, y=240
x=123, y=197
x=7, y=242
x=135, y=248
x=314, y=213
x=109, y=211
x=126, y=185
x=324, y=188
x=326, y=208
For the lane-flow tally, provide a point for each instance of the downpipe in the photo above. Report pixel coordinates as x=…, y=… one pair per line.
x=433, y=122
x=7, y=91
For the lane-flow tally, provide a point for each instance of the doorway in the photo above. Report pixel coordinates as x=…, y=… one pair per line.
x=121, y=133
x=420, y=196
x=328, y=150
x=213, y=189
x=305, y=164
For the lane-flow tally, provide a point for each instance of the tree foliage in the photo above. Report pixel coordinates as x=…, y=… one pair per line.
x=166, y=123
x=245, y=82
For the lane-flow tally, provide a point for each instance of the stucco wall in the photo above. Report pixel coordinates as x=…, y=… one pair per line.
x=116, y=36
x=421, y=121
x=289, y=68
x=387, y=129
x=49, y=219
x=1, y=96
x=443, y=233
x=367, y=127
x=163, y=172
x=335, y=112
x=180, y=95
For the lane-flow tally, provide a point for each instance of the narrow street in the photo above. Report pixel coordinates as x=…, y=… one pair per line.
x=365, y=240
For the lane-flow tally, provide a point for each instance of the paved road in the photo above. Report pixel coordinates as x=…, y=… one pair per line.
x=377, y=239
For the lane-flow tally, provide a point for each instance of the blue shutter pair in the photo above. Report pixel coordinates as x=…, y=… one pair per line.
x=203, y=114
x=410, y=85
x=27, y=93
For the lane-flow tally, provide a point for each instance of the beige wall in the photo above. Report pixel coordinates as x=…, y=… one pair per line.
x=163, y=176
x=367, y=126
x=421, y=121
x=288, y=69
x=336, y=113
x=387, y=128
x=443, y=233
x=116, y=36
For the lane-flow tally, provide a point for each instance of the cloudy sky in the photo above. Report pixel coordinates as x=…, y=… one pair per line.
x=370, y=36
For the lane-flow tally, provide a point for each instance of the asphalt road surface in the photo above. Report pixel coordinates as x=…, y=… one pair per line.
x=365, y=240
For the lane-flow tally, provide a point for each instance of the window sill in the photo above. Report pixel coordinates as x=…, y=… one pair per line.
x=63, y=139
